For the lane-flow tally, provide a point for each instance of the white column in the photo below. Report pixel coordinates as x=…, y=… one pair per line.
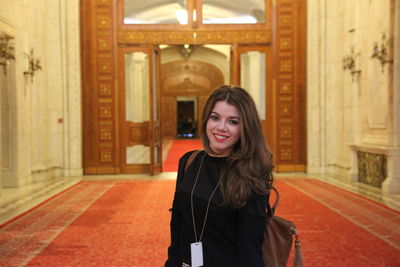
x=316, y=86
x=391, y=185
x=69, y=12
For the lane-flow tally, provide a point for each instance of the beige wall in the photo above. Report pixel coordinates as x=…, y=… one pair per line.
x=43, y=138
x=348, y=113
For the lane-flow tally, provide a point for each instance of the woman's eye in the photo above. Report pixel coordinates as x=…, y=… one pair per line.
x=213, y=117
x=234, y=122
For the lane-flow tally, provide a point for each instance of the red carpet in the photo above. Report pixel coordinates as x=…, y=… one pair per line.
x=339, y=228
x=126, y=223
x=177, y=149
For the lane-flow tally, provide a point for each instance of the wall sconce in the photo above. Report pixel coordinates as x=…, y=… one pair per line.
x=6, y=51
x=349, y=63
x=33, y=64
x=381, y=53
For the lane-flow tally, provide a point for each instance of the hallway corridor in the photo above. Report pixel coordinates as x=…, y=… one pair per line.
x=93, y=94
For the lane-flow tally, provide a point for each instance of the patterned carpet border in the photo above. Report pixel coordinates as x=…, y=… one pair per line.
x=378, y=220
x=26, y=236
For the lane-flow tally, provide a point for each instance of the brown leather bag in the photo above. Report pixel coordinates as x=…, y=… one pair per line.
x=278, y=239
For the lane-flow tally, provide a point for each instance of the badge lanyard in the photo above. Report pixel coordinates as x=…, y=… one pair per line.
x=197, y=247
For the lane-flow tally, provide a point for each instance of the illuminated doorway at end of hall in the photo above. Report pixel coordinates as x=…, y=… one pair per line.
x=187, y=123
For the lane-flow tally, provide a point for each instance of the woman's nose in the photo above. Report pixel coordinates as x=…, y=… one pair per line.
x=222, y=125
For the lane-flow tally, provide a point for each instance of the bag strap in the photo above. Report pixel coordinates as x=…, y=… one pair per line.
x=275, y=206
x=191, y=158
x=189, y=161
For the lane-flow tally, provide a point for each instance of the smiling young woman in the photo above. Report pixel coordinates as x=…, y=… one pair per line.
x=223, y=128
x=220, y=202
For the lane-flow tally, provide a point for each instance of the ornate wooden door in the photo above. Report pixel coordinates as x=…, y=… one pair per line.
x=140, y=145
x=251, y=69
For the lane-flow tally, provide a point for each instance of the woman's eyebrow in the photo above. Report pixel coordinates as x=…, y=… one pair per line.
x=232, y=117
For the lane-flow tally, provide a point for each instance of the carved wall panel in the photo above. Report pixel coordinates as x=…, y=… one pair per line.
x=290, y=78
x=194, y=36
x=139, y=134
x=99, y=131
x=168, y=116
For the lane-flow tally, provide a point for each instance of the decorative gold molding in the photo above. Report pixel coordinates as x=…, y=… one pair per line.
x=285, y=43
x=285, y=21
x=286, y=154
x=286, y=132
x=104, y=44
x=105, y=123
x=285, y=87
x=105, y=134
x=194, y=37
x=285, y=1
x=105, y=100
x=285, y=98
x=104, y=67
x=103, y=22
x=104, y=2
x=105, y=112
x=105, y=156
x=105, y=145
x=285, y=65
x=285, y=109
x=105, y=89
x=285, y=142
x=285, y=76
x=104, y=77
x=285, y=121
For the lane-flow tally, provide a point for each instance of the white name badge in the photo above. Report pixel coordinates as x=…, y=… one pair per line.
x=197, y=254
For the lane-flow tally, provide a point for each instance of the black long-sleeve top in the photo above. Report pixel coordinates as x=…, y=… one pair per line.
x=232, y=237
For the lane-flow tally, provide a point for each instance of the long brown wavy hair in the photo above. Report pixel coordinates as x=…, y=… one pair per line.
x=249, y=166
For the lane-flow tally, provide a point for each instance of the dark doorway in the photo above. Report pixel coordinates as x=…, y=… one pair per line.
x=187, y=124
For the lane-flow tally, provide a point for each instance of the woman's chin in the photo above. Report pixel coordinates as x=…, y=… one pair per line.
x=220, y=151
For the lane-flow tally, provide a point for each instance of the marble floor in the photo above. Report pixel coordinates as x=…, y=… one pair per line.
x=16, y=201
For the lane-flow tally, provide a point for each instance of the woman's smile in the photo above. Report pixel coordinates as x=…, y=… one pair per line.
x=220, y=138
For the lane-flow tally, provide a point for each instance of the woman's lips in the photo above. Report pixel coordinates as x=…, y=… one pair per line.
x=220, y=138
